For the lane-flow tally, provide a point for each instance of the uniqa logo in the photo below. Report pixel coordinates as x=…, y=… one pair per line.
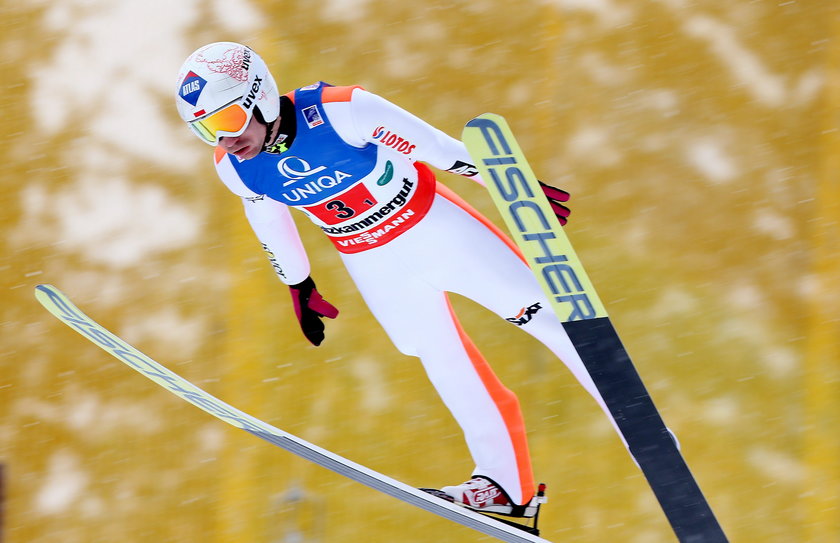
x=296, y=168
x=315, y=179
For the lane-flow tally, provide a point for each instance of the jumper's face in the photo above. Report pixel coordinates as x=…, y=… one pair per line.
x=248, y=144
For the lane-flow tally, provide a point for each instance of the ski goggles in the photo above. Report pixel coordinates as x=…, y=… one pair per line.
x=230, y=121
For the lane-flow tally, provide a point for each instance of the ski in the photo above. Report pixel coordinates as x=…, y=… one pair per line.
x=516, y=192
x=60, y=305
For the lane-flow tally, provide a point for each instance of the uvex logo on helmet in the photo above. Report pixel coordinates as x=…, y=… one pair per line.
x=252, y=95
x=248, y=102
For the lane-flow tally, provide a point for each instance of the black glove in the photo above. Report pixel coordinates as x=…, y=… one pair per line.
x=310, y=307
x=555, y=196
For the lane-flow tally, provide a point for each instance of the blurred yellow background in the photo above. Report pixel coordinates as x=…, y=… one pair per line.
x=699, y=141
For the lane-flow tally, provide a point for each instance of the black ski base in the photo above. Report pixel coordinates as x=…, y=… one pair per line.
x=650, y=442
x=499, y=517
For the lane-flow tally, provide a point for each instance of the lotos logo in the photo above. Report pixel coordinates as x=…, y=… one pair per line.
x=392, y=140
x=191, y=87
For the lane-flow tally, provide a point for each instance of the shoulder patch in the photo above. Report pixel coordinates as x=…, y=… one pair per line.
x=218, y=154
x=338, y=94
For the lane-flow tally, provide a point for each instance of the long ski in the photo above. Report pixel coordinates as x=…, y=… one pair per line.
x=516, y=192
x=59, y=305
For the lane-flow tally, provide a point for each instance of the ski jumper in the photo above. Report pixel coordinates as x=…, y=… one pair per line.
x=353, y=168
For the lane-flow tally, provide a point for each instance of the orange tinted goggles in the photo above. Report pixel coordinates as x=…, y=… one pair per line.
x=231, y=120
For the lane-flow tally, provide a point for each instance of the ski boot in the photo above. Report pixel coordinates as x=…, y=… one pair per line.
x=483, y=495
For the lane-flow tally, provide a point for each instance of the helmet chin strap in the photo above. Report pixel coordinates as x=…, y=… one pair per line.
x=269, y=127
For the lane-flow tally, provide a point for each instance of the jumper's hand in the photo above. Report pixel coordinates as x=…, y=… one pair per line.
x=555, y=196
x=310, y=308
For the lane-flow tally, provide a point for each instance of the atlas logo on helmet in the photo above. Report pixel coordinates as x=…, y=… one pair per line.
x=191, y=87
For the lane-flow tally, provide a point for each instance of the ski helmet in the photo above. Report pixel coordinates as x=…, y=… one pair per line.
x=220, y=86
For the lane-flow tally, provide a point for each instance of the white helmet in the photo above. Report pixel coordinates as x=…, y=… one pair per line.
x=220, y=86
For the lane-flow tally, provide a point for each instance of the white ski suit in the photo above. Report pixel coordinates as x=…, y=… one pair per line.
x=353, y=168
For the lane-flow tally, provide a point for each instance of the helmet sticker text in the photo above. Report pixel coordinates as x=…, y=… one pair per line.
x=191, y=87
